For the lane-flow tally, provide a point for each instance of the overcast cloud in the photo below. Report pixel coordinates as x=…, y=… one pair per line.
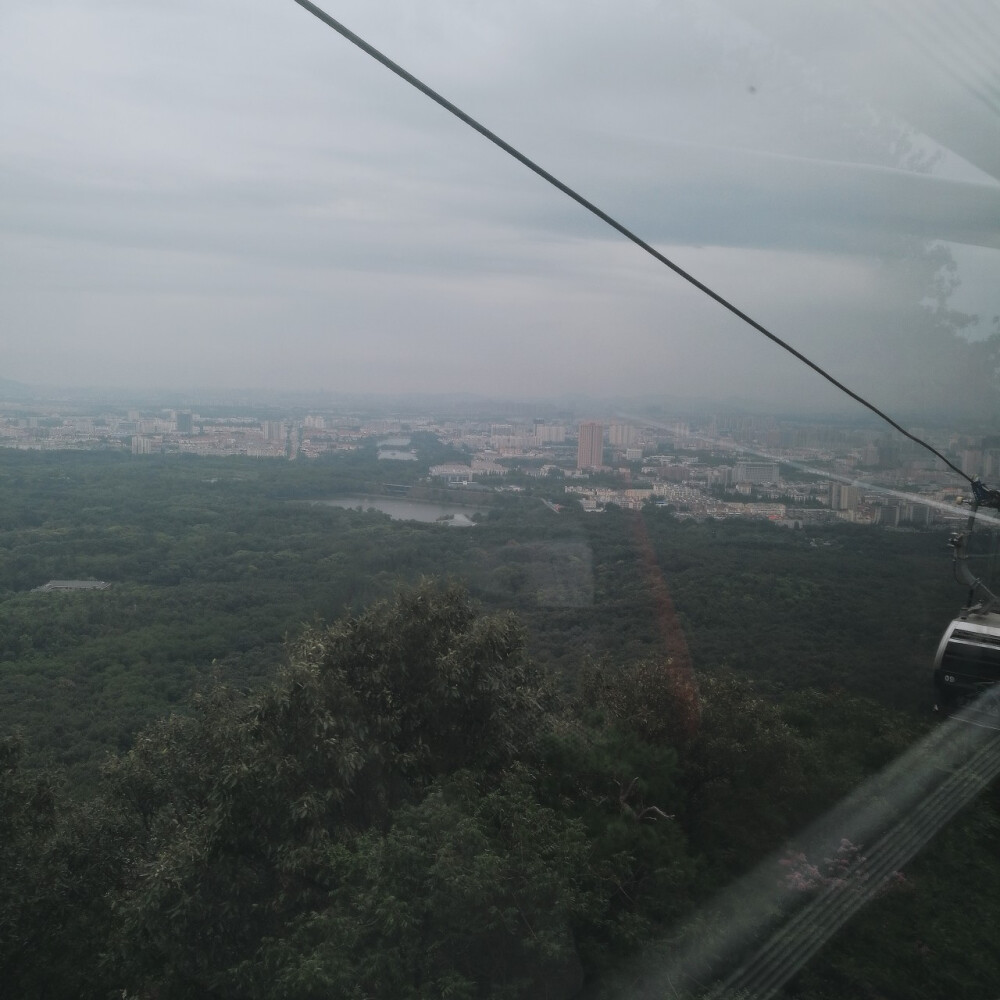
x=228, y=193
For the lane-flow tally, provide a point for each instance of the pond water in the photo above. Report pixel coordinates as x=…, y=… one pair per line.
x=396, y=456
x=401, y=509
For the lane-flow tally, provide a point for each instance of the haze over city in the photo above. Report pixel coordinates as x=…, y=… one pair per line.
x=233, y=196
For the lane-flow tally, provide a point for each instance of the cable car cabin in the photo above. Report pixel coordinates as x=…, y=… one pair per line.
x=968, y=658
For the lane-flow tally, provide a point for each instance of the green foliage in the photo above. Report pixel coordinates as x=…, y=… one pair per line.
x=215, y=561
x=846, y=740
x=280, y=826
x=399, y=804
x=933, y=939
x=744, y=774
x=658, y=701
x=625, y=791
x=835, y=607
x=57, y=863
x=439, y=686
x=471, y=893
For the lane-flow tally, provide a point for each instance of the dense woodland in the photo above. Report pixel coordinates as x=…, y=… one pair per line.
x=297, y=750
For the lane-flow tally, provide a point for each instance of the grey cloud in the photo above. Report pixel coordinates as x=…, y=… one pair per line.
x=234, y=176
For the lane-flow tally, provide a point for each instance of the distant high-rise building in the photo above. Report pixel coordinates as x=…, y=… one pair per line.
x=549, y=433
x=888, y=515
x=590, y=450
x=621, y=435
x=185, y=422
x=869, y=455
x=844, y=497
x=274, y=430
x=972, y=461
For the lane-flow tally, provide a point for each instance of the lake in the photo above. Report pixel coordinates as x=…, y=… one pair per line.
x=401, y=509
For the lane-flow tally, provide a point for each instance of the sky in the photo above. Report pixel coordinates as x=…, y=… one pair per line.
x=229, y=194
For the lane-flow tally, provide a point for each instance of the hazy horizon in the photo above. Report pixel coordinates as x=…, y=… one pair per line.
x=467, y=406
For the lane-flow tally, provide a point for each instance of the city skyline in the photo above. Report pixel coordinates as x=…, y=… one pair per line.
x=720, y=465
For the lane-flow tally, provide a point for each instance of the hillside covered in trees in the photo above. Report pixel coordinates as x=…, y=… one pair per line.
x=273, y=760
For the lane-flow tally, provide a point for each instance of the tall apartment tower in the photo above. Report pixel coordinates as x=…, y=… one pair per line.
x=590, y=450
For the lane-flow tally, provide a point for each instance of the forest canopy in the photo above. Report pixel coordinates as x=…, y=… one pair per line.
x=273, y=759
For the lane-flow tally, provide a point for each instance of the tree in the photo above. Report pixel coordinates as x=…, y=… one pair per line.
x=57, y=860
x=258, y=811
x=743, y=773
x=471, y=893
